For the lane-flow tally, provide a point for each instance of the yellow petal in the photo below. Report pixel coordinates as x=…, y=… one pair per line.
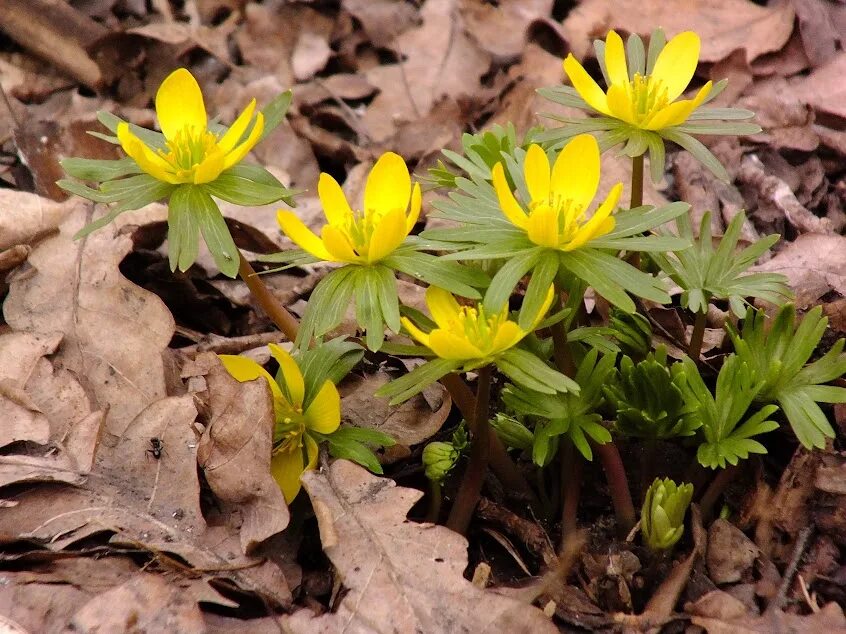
x=509, y=205
x=615, y=59
x=302, y=236
x=575, y=174
x=388, y=185
x=620, y=103
x=236, y=130
x=678, y=111
x=179, y=104
x=584, y=84
x=415, y=332
x=600, y=223
x=245, y=369
x=147, y=159
x=286, y=467
x=414, y=211
x=210, y=167
x=311, y=452
x=536, y=171
x=338, y=245
x=324, y=413
x=448, y=345
x=291, y=373
x=542, y=227
x=236, y=156
x=507, y=336
x=390, y=232
x=442, y=306
x=676, y=63
x=544, y=309
x=333, y=200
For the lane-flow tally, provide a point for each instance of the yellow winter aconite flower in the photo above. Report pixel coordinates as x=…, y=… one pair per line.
x=366, y=236
x=468, y=334
x=560, y=196
x=647, y=101
x=192, y=153
x=294, y=449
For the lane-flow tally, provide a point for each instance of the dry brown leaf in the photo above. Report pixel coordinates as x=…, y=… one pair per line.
x=723, y=25
x=500, y=28
x=113, y=331
x=23, y=216
x=730, y=553
x=817, y=27
x=399, y=576
x=782, y=111
x=440, y=60
x=414, y=421
x=829, y=619
x=235, y=452
x=814, y=264
x=382, y=20
x=824, y=89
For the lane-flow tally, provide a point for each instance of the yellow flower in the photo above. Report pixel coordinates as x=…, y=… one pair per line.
x=560, y=196
x=468, y=334
x=361, y=237
x=646, y=102
x=294, y=448
x=193, y=154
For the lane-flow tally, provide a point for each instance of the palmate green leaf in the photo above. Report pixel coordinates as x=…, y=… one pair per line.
x=329, y=361
x=183, y=230
x=451, y=276
x=699, y=151
x=543, y=275
x=503, y=283
x=151, y=138
x=352, y=443
x=421, y=377
x=249, y=185
x=99, y=170
x=369, y=302
x=274, y=112
x=631, y=222
x=613, y=278
x=326, y=305
x=214, y=230
x=528, y=370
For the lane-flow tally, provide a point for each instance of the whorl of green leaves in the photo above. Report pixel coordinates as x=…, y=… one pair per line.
x=632, y=331
x=705, y=274
x=571, y=414
x=726, y=423
x=648, y=400
x=662, y=514
x=778, y=356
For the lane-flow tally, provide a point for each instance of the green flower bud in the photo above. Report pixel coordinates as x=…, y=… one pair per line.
x=632, y=331
x=512, y=432
x=438, y=459
x=662, y=515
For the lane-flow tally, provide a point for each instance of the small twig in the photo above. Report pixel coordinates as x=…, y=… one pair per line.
x=233, y=345
x=284, y=320
x=530, y=533
x=809, y=600
x=798, y=551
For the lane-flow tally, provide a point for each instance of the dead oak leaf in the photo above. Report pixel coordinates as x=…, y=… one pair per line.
x=114, y=332
x=400, y=576
x=723, y=25
x=824, y=89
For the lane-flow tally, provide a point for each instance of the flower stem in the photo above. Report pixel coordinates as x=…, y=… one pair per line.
x=284, y=320
x=560, y=349
x=571, y=483
x=715, y=490
x=435, y=498
x=694, y=350
x=618, y=486
x=637, y=182
x=471, y=485
x=501, y=464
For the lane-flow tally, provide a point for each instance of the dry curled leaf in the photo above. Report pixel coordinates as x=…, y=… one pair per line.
x=399, y=576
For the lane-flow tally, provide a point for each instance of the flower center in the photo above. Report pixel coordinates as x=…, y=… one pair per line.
x=288, y=434
x=359, y=229
x=570, y=215
x=477, y=327
x=647, y=95
x=189, y=147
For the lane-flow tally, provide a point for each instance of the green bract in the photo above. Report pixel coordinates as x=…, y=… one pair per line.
x=777, y=357
x=571, y=413
x=705, y=274
x=725, y=422
x=512, y=432
x=648, y=400
x=662, y=514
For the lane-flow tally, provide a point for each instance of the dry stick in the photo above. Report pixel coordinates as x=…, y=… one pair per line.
x=471, y=485
x=284, y=320
x=798, y=552
x=715, y=490
x=694, y=351
x=618, y=486
x=501, y=464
